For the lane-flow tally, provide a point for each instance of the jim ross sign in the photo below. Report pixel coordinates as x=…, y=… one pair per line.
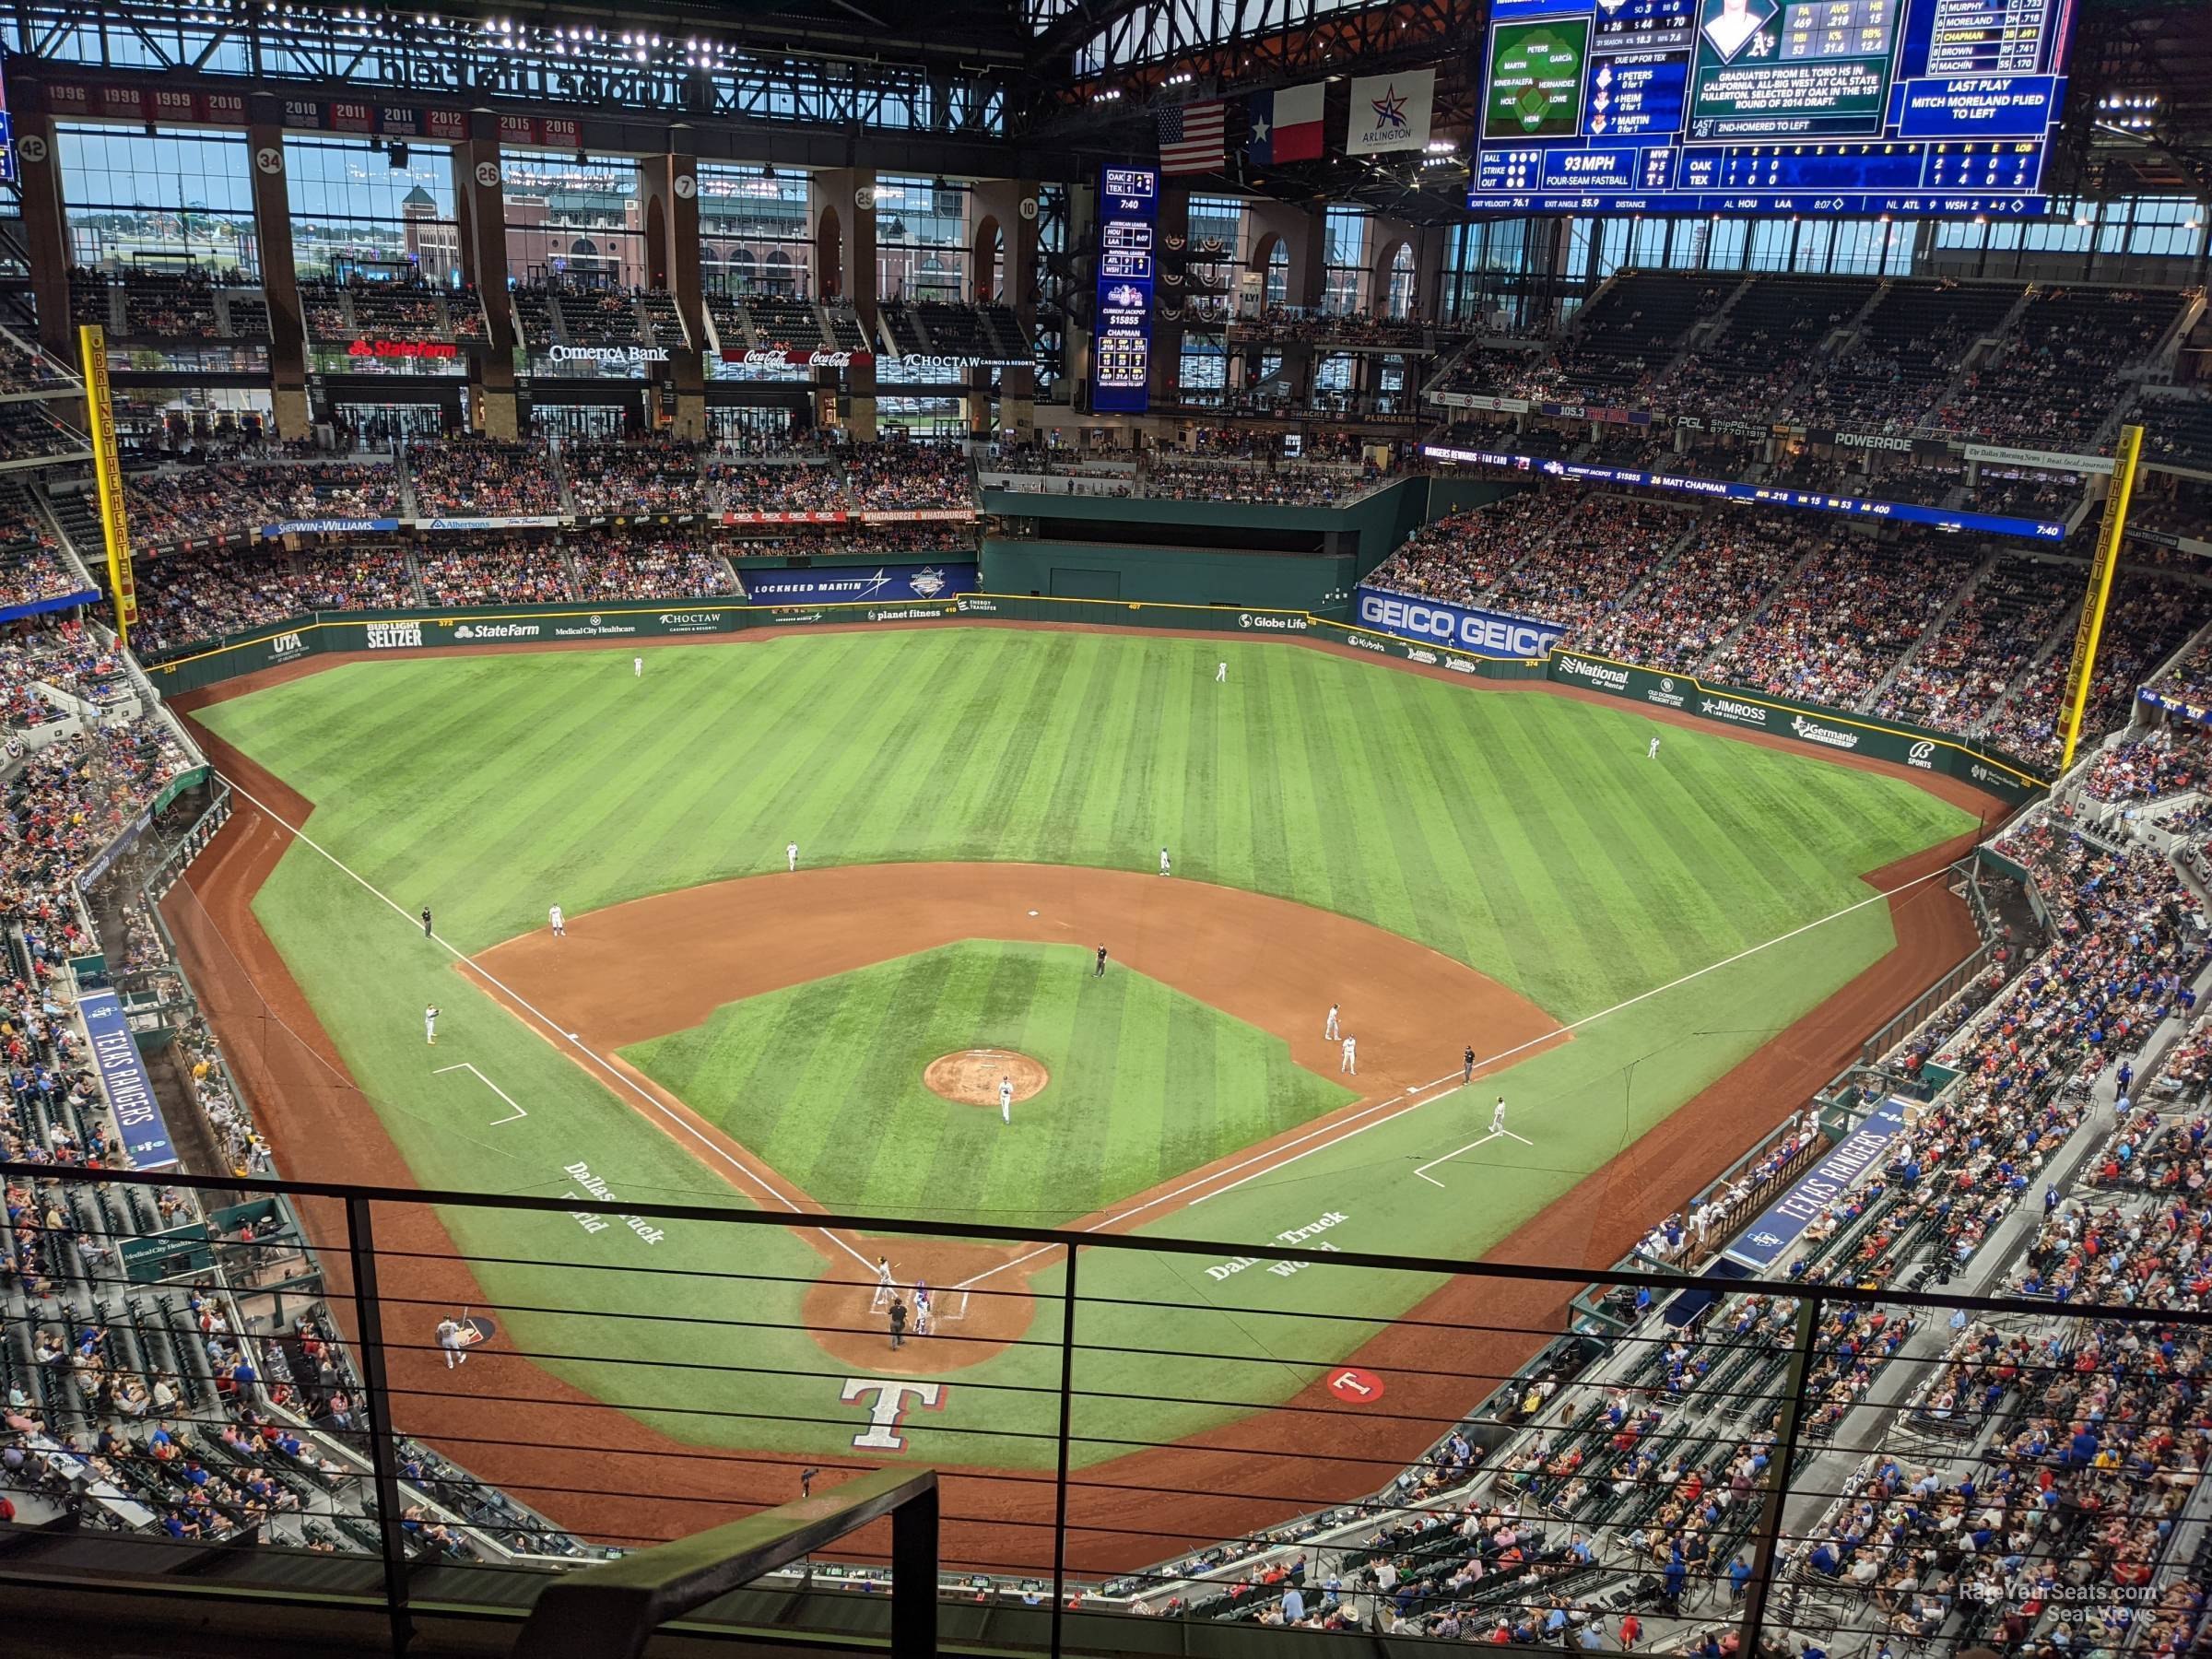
x=1478, y=632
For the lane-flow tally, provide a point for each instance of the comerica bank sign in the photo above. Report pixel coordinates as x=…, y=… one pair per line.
x=1481, y=632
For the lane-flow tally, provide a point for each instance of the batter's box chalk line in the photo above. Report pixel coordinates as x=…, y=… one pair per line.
x=511, y=1116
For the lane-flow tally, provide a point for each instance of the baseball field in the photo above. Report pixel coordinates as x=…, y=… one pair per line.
x=976, y=811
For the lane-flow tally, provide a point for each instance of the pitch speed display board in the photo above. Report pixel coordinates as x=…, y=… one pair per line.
x=1770, y=106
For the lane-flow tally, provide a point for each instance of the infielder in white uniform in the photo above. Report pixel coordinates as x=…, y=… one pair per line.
x=1330, y=1032
x=449, y=1338
x=1497, y=1117
x=790, y=855
x=1164, y=861
x=561, y=928
x=430, y=1023
x=1653, y=753
x=1220, y=672
x=1006, y=1099
x=1350, y=1063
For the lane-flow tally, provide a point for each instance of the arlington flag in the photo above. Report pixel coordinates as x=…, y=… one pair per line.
x=1391, y=113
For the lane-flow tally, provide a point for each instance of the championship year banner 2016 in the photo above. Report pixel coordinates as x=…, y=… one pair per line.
x=146, y=1138
x=1458, y=627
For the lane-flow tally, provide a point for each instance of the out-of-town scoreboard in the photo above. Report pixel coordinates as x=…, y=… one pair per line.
x=1770, y=106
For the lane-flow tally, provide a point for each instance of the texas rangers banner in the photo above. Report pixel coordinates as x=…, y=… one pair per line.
x=1763, y=1246
x=122, y=1075
x=1391, y=113
x=857, y=584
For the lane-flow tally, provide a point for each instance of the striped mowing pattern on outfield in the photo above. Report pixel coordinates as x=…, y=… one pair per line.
x=1525, y=834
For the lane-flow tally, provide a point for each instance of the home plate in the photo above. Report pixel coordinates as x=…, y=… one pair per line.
x=1032, y=913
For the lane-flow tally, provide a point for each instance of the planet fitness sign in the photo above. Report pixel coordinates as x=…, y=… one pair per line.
x=1430, y=621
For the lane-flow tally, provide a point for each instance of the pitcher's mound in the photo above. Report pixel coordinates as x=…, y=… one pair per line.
x=970, y=1076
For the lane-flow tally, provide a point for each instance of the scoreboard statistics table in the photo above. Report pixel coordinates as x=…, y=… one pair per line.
x=1770, y=106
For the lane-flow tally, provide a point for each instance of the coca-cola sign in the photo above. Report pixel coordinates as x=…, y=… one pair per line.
x=794, y=356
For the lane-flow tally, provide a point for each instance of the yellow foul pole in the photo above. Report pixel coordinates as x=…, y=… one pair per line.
x=100, y=419
x=2107, y=557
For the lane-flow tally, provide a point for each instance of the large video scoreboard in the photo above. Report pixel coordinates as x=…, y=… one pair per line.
x=1770, y=106
x=1121, y=344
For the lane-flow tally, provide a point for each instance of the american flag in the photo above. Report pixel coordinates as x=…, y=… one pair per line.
x=1192, y=137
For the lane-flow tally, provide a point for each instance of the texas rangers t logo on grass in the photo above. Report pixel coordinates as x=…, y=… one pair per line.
x=888, y=1409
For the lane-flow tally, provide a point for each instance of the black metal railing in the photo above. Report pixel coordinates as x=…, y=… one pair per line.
x=1222, y=1432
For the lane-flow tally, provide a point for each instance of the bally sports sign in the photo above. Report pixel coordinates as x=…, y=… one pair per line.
x=1481, y=632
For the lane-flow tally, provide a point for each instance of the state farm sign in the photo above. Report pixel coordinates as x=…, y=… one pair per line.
x=403, y=348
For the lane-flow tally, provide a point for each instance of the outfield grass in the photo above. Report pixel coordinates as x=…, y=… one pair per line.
x=1525, y=834
x=824, y=1081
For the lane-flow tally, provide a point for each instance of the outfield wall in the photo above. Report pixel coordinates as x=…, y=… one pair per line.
x=405, y=632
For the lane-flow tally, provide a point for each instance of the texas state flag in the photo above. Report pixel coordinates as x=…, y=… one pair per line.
x=1286, y=126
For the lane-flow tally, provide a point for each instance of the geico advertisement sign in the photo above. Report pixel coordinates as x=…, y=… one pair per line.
x=1471, y=630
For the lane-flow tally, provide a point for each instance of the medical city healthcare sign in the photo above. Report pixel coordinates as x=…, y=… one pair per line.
x=1476, y=632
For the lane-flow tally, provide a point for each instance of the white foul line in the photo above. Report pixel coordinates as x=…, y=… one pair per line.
x=1423, y=1169
x=1267, y=1159
x=488, y=1082
x=570, y=1037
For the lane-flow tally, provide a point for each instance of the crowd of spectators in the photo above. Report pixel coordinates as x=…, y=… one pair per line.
x=32, y=565
x=1588, y=561
x=233, y=498
x=1961, y=668
x=1843, y=621
x=2057, y=381
x=2148, y=619
x=481, y=477
x=1460, y=557
x=1285, y=484
x=646, y=476
x=870, y=477
x=476, y=568
x=651, y=567
x=1704, y=593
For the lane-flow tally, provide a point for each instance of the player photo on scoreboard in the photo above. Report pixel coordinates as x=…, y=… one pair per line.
x=1731, y=25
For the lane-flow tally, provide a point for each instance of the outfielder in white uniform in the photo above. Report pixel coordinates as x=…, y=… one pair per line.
x=1164, y=861
x=561, y=928
x=1330, y=1032
x=790, y=855
x=430, y=1023
x=449, y=1338
x=637, y=667
x=1350, y=1063
x=1220, y=672
x=1006, y=1099
x=1653, y=753
x=1497, y=1117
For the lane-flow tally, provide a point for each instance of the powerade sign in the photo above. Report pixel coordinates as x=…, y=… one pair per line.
x=1764, y=1244
x=122, y=1075
x=1481, y=632
x=859, y=584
